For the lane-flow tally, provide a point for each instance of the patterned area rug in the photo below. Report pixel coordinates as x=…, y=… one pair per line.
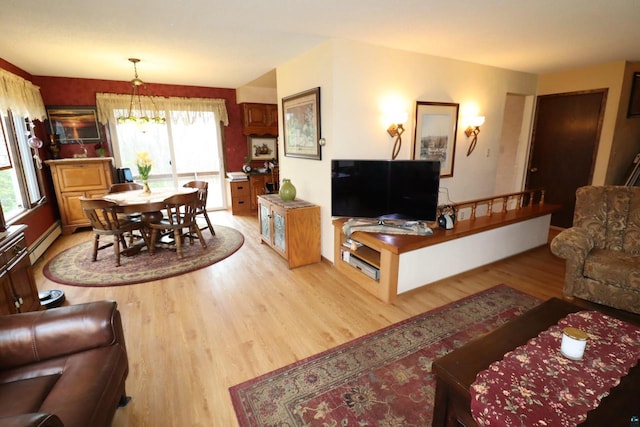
x=381, y=379
x=74, y=266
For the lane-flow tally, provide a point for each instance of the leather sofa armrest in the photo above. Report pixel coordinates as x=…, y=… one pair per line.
x=573, y=244
x=36, y=419
x=35, y=336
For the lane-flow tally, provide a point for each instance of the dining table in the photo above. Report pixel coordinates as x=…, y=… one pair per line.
x=148, y=204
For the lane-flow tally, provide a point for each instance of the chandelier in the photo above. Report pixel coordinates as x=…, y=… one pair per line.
x=136, y=102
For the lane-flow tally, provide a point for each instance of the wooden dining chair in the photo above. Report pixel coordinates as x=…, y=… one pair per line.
x=105, y=222
x=127, y=186
x=203, y=193
x=124, y=186
x=180, y=214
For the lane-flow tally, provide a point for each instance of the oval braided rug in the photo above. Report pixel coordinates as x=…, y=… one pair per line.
x=74, y=266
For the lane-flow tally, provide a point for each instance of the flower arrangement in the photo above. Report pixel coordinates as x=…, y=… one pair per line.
x=144, y=163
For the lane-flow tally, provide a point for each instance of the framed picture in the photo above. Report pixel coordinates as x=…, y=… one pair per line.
x=74, y=124
x=301, y=118
x=435, y=136
x=634, y=99
x=262, y=148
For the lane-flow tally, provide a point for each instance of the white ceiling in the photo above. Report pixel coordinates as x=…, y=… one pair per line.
x=225, y=43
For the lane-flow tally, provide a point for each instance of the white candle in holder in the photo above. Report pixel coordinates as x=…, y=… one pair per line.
x=574, y=341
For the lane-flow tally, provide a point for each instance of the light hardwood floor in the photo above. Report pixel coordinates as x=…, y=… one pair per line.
x=193, y=336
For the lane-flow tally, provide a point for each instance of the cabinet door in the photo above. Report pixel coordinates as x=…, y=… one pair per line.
x=24, y=285
x=89, y=176
x=71, y=208
x=260, y=119
x=272, y=118
x=279, y=230
x=258, y=188
x=7, y=301
x=265, y=222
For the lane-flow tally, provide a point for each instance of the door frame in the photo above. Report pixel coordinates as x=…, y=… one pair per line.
x=594, y=155
x=565, y=200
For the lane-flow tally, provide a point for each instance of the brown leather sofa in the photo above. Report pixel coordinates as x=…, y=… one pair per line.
x=64, y=366
x=602, y=248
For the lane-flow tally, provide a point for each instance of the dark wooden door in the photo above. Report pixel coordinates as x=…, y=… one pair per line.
x=565, y=139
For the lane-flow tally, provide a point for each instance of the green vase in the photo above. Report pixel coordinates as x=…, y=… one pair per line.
x=287, y=190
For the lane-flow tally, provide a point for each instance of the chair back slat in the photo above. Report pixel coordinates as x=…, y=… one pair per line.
x=203, y=192
x=181, y=208
x=125, y=186
x=101, y=213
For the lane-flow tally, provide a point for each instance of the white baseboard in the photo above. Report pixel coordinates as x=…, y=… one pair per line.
x=37, y=249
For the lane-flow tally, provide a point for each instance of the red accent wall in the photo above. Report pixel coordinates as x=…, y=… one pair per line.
x=68, y=91
x=63, y=91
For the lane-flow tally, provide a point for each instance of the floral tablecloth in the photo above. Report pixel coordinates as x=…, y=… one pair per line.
x=535, y=385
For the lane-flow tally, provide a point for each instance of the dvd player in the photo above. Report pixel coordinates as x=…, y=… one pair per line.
x=361, y=265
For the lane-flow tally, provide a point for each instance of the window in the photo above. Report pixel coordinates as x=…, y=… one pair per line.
x=19, y=183
x=182, y=150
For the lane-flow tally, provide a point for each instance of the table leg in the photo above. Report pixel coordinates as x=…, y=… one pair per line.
x=146, y=218
x=440, y=405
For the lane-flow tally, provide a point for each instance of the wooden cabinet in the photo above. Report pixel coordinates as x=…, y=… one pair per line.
x=259, y=119
x=18, y=291
x=243, y=195
x=292, y=229
x=239, y=197
x=76, y=178
x=372, y=253
x=258, y=187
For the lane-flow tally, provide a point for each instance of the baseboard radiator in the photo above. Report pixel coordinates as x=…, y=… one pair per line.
x=44, y=241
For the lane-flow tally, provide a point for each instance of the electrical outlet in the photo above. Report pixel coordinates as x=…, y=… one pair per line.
x=462, y=215
x=488, y=152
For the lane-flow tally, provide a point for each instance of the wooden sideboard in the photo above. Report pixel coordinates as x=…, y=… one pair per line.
x=18, y=291
x=239, y=195
x=76, y=178
x=243, y=195
x=292, y=229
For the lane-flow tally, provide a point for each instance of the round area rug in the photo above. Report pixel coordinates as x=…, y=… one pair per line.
x=74, y=266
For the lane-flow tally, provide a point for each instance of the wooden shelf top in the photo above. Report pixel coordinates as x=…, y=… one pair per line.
x=73, y=160
x=401, y=243
x=293, y=204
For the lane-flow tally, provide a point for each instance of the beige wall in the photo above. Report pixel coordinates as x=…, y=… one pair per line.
x=259, y=95
x=358, y=81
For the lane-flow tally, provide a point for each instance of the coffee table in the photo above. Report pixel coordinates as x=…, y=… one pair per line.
x=456, y=371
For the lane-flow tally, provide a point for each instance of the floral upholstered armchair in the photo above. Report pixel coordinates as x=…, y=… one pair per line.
x=602, y=248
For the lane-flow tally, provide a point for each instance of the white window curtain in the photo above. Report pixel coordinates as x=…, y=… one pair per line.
x=188, y=148
x=183, y=110
x=20, y=96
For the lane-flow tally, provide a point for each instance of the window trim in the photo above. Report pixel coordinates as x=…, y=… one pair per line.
x=15, y=152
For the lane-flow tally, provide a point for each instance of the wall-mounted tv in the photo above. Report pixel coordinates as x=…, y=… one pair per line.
x=385, y=189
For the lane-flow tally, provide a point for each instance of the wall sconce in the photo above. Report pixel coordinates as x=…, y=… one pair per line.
x=396, y=132
x=473, y=129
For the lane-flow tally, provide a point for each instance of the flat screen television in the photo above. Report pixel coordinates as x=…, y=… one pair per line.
x=385, y=189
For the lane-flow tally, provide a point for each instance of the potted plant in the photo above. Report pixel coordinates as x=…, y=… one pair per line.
x=100, y=150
